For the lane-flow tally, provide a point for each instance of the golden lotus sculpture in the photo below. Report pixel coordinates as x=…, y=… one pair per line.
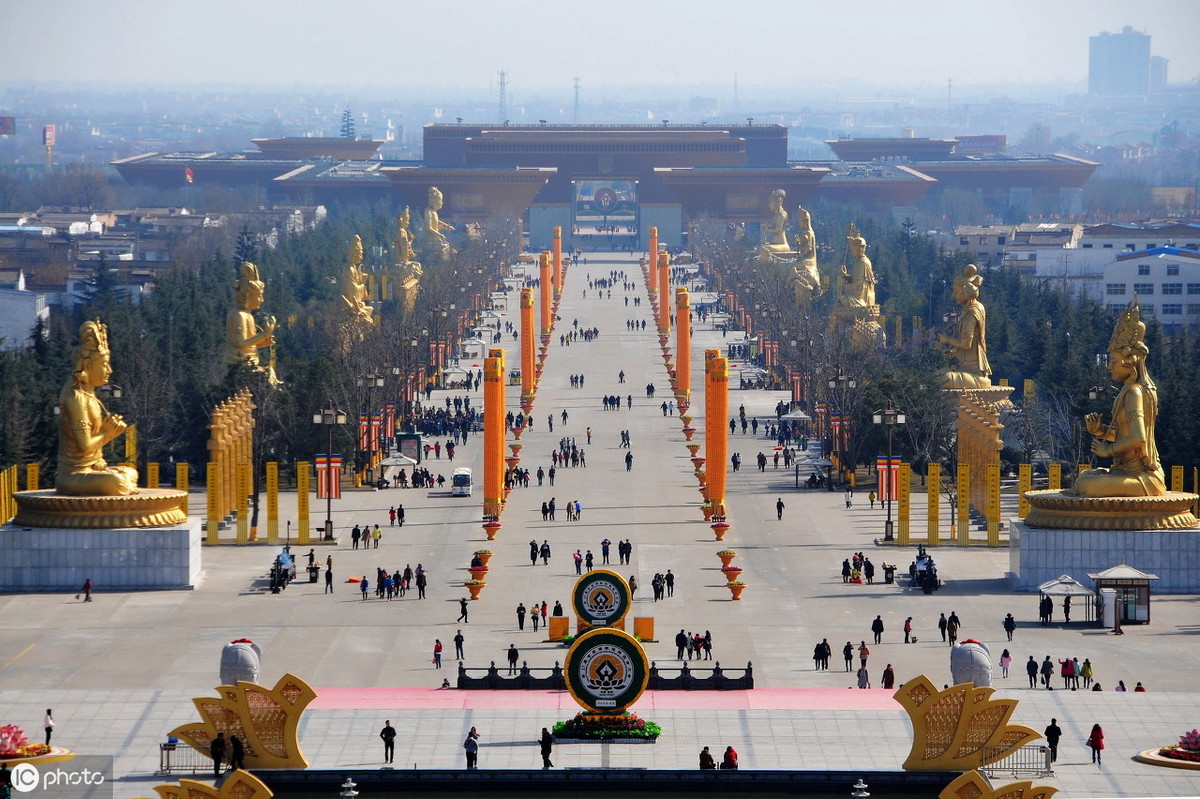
x=266, y=720
x=237, y=785
x=951, y=728
x=974, y=785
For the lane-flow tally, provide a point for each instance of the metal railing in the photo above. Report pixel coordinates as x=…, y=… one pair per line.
x=1033, y=760
x=685, y=678
x=174, y=757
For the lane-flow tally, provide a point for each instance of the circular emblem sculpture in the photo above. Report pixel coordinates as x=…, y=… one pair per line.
x=606, y=670
x=601, y=598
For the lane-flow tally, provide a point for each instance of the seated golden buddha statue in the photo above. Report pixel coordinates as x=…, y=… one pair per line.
x=354, y=285
x=1129, y=439
x=773, y=230
x=967, y=349
x=85, y=425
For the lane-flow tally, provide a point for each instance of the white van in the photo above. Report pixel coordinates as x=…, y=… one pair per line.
x=460, y=482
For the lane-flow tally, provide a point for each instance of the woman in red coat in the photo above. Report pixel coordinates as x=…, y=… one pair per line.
x=1095, y=742
x=729, y=761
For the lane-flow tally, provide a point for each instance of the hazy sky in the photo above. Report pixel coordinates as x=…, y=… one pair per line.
x=543, y=45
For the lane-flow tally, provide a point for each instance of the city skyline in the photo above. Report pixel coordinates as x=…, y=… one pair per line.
x=699, y=45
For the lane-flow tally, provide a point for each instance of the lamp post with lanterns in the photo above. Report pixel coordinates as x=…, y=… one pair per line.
x=329, y=418
x=889, y=417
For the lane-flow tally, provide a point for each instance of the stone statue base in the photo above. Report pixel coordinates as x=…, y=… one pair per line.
x=41, y=559
x=150, y=507
x=1038, y=554
x=859, y=323
x=1058, y=510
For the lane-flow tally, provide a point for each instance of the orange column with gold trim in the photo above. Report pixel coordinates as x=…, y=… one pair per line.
x=664, y=294
x=527, y=349
x=683, y=349
x=546, y=291
x=556, y=263
x=493, y=440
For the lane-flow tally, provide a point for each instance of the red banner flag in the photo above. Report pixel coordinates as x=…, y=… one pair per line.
x=889, y=476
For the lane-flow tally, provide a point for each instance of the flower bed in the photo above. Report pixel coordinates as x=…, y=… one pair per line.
x=1187, y=750
x=14, y=744
x=597, y=727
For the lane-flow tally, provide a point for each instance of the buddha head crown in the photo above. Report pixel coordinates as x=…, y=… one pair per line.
x=93, y=343
x=1129, y=331
x=970, y=280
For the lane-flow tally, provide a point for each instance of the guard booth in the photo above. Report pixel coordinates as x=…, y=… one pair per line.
x=1132, y=589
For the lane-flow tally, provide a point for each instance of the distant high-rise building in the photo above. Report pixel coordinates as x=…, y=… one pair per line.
x=1119, y=63
x=1158, y=74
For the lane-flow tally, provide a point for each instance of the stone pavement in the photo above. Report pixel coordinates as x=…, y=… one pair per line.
x=120, y=672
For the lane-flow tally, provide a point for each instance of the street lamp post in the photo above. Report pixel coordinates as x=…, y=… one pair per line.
x=330, y=418
x=838, y=386
x=889, y=417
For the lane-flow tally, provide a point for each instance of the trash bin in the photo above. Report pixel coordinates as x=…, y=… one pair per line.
x=889, y=574
x=314, y=571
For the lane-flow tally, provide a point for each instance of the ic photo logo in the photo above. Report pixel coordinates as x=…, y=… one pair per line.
x=83, y=777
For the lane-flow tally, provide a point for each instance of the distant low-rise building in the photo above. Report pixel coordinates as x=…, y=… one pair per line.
x=20, y=310
x=1166, y=281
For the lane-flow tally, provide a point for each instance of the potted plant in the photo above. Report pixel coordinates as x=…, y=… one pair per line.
x=732, y=573
x=484, y=555
x=736, y=587
x=476, y=586
x=720, y=527
x=707, y=509
x=478, y=572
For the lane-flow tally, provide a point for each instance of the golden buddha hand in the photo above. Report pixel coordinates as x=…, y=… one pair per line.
x=1094, y=425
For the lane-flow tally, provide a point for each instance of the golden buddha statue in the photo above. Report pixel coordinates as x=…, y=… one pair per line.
x=85, y=425
x=404, y=240
x=858, y=279
x=243, y=336
x=354, y=286
x=773, y=230
x=807, y=279
x=1129, y=439
x=435, y=242
x=968, y=347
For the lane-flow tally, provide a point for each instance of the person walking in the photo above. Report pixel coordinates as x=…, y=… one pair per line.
x=1053, y=733
x=392, y=516
x=400, y=515
x=1031, y=669
x=462, y=611
x=864, y=678
x=546, y=742
x=1010, y=624
x=633, y=587
x=458, y=645
x=216, y=750
x=1095, y=742
x=669, y=579
x=1005, y=662
x=848, y=654
x=942, y=625
x=888, y=681
x=681, y=642
x=877, y=629
x=1047, y=672
x=388, y=735
x=533, y=551
x=779, y=509
x=437, y=653
x=864, y=652
x=1086, y=672
x=422, y=581
x=952, y=629
x=471, y=744
x=513, y=655
x=364, y=585
x=237, y=753
x=628, y=461
x=545, y=553
x=908, y=630
x=328, y=580
x=48, y=723
x=521, y=616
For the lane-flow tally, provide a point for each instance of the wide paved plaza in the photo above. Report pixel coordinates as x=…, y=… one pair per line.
x=120, y=672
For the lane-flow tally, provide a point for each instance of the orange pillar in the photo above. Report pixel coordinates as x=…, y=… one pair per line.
x=493, y=434
x=716, y=442
x=547, y=291
x=664, y=294
x=527, y=346
x=651, y=260
x=557, y=262
x=683, y=351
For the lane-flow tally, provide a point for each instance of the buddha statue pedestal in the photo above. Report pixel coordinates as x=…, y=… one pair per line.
x=1067, y=534
x=858, y=324
x=139, y=541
